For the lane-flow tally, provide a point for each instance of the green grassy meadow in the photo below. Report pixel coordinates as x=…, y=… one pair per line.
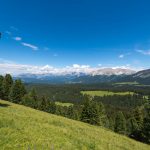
x=106, y=93
x=23, y=128
x=63, y=104
x=127, y=83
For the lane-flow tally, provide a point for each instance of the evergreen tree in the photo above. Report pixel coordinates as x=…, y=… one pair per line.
x=44, y=104
x=33, y=94
x=1, y=86
x=33, y=98
x=70, y=112
x=17, y=91
x=6, y=86
x=149, y=98
x=120, y=123
x=111, y=124
x=102, y=115
x=90, y=112
x=146, y=125
x=28, y=100
x=52, y=107
x=138, y=115
x=132, y=126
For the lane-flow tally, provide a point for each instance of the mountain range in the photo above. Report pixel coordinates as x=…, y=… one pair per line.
x=98, y=76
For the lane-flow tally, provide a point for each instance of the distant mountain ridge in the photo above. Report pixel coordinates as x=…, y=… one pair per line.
x=98, y=76
x=104, y=74
x=142, y=77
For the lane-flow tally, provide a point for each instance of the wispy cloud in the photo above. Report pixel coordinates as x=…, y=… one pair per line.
x=123, y=55
x=144, y=52
x=17, y=38
x=30, y=46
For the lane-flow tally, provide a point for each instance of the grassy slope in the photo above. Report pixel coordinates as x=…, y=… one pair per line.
x=102, y=93
x=25, y=128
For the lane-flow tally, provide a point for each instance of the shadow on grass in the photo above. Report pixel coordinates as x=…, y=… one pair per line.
x=4, y=105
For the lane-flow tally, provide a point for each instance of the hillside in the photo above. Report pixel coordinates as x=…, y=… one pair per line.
x=25, y=128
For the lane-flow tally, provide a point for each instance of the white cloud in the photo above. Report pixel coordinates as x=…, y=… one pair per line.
x=121, y=56
x=16, y=69
x=30, y=46
x=17, y=38
x=144, y=52
x=80, y=66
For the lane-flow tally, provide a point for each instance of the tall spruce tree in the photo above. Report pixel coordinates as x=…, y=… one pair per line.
x=52, y=107
x=138, y=115
x=33, y=94
x=70, y=112
x=102, y=115
x=44, y=104
x=120, y=123
x=91, y=112
x=17, y=91
x=33, y=98
x=6, y=86
x=146, y=125
x=132, y=126
x=111, y=123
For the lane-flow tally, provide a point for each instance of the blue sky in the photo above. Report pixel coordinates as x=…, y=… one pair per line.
x=85, y=32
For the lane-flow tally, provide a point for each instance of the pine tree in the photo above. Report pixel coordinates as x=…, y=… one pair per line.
x=111, y=124
x=149, y=98
x=146, y=125
x=90, y=113
x=132, y=126
x=44, y=104
x=120, y=123
x=1, y=86
x=138, y=115
x=70, y=112
x=6, y=86
x=28, y=100
x=34, y=98
x=33, y=94
x=52, y=107
x=102, y=115
x=17, y=91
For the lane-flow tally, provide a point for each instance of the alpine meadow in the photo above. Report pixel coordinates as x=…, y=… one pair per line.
x=74, y=75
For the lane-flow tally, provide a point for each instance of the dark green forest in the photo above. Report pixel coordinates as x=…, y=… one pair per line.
x=124, y=114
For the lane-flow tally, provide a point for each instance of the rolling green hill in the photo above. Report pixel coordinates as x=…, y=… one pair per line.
x=25, y=128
